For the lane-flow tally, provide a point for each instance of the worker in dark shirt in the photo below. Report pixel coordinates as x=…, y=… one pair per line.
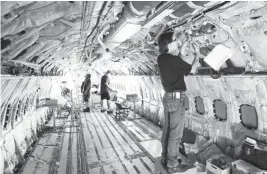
x=85, y=89
x=105, y=91
x=172, y=69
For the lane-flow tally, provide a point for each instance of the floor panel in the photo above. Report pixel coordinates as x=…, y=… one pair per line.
x=118, y=151
x=96, y=143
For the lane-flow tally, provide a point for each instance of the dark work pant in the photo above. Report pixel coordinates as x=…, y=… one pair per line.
x=173, y=126
x=86, y=97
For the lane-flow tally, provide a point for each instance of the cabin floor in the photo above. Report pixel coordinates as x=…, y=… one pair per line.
x=96, y=143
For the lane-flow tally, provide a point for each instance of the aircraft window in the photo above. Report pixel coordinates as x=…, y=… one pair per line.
x=199, y=104
x=26, y=106
x=8, y=15
x=186, y=102
x=7, y=117
x=248, y=116
x=153, y=96
x=220, y=110
x=147, y=93
x=32, y=99
x=3, y=111
x=37, y=101
x=141, y=93
x=22, y=32
x=17, y=111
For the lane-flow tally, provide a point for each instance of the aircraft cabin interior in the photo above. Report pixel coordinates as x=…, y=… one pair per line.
x=57, y=58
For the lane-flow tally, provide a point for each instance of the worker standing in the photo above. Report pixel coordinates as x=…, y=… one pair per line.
x=85, y=89
x=105, y=90
x=172, y=69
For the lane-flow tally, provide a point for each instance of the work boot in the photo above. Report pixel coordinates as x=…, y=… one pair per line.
x=163, y=162
x=182, y=165
x=86, y=110
x=110, y=112
x=183, y=160
x=179, y=168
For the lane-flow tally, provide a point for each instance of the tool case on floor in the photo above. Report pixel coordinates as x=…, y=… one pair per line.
x=243, y=167
x=255, y=153
x=220, y=164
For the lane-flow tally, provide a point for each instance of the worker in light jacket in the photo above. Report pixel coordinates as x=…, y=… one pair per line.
x=173, y=69
x=85, y=89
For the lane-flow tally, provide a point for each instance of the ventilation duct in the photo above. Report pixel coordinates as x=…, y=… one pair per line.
x=164, y=14
x=128, y=25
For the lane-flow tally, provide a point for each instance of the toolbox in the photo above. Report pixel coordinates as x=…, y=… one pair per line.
x=220, y=164
x=254, y=152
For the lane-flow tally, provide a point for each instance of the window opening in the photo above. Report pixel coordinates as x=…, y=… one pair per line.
x=37, y=101
x=152, y=95
x=199, y=104
x=147, y=93
x=7, y=16
x=18, y=111
x=7, y=116
x=186, y=102
x=248, y=116
x=220, y=110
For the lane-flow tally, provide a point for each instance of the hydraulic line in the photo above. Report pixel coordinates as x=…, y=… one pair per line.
x=98, y=19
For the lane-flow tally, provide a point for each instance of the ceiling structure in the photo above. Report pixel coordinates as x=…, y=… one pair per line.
x=53, y=37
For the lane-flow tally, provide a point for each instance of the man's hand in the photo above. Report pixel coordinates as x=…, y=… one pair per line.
x=196, y=53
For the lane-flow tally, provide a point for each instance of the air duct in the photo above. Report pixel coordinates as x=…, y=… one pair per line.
x=129, y=24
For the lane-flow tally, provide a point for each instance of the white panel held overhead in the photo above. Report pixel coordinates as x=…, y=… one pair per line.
x=218, y=56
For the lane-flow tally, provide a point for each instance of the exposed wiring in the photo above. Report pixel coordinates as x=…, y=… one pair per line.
x=246, y=69
x=222, y=42
x=196, y=16
x=95, y=27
